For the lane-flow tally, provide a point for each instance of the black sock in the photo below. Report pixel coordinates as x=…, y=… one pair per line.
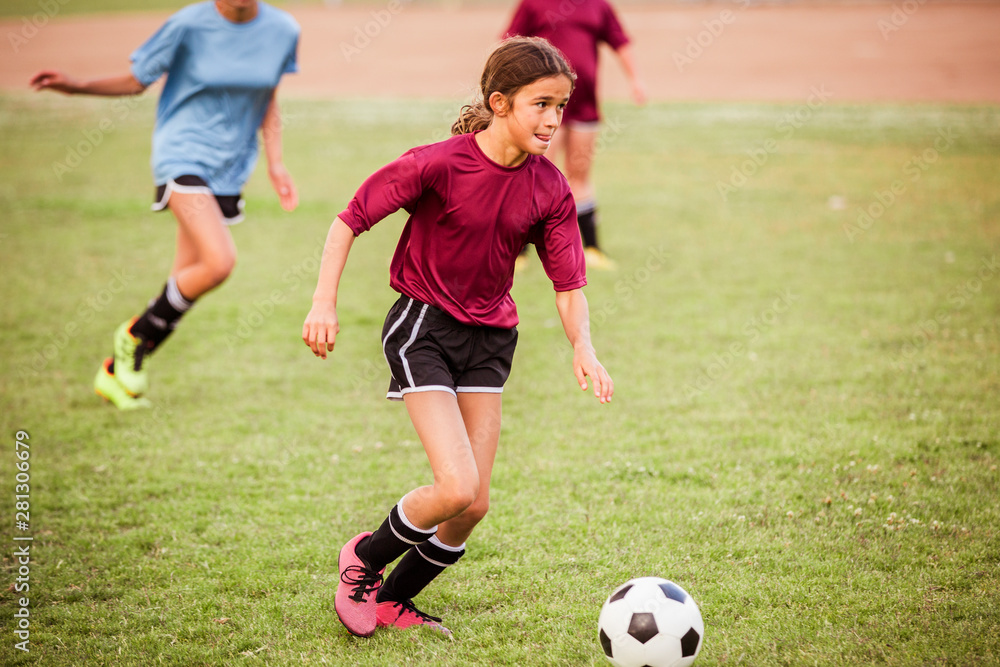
x=162, y=316
x=392, y=539
x=586, y=215
x=421, y=564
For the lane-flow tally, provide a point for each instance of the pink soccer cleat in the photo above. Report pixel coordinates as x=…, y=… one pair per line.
x=404, y=615
x=355, y=601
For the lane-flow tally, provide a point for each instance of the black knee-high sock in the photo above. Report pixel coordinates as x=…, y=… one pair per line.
x=419, y=567
x=586, y=215
x=162, y=316
x=392, y=539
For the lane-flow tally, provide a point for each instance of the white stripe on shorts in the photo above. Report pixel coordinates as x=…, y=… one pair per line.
x=174, y=186
x=428, y=387
x=395, y=325
x=480, y=390
x=408, y=343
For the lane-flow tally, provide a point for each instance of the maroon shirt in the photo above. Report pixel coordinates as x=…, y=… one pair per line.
x=469, y=219
x=575, y=27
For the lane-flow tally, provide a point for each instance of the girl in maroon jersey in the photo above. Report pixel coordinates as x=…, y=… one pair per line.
x=577, y=28
x=475, y=200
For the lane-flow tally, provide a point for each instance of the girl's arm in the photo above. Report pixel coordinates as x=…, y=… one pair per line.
x=627, y=59
x=320, y=328
x=575, y=316
x=115, y=86
x=280, y=178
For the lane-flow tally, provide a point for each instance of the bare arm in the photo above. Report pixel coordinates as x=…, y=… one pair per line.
x=627, y=59
x=575, y=315
x=321, y=327
x=115, y=86
x=280, y=178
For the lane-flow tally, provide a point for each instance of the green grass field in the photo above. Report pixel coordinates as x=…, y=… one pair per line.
x=805, y=433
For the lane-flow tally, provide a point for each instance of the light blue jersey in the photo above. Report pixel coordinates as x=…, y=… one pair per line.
x=220, y=79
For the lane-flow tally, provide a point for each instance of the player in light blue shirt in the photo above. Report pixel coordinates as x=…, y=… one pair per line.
x=220, y=79
x=223, y=60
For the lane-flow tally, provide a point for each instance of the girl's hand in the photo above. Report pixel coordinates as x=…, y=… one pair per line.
x=585, y=364
x=639, y=93
x=283, y=185
x=320, y=329
x=53, y=80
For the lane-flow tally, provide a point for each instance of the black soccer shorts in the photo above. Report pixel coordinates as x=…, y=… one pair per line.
x=429, y=350
x=231, y=205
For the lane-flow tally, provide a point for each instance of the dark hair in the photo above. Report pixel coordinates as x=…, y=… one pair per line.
x=516, y=63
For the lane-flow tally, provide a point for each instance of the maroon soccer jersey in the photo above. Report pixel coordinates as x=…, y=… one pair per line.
x=469, y=219
x=575, y=27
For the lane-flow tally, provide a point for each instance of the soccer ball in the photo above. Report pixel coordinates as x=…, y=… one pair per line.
x=650, y=622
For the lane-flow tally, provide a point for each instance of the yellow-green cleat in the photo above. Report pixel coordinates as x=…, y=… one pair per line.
x=129, y=353
x=107, y=387
x=596, y=259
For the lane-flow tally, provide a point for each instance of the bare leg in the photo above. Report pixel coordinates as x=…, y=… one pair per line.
x=579, y=161
x=437, y=418
x=206, y=253
x=481, y=413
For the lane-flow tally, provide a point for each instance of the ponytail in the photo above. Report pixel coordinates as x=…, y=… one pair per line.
x=516, y=63
x=472, y=118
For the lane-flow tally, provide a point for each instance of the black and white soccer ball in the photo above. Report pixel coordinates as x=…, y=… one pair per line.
x=650, y=622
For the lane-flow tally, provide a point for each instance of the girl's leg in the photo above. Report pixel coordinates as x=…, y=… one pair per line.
x=414, y=520
x=205, y=256
x=422, y=563
x=580, y=146
x=481, y=413
x=438, y=421
x=206, y=253
x=557, y=149
x=579, y=161
x=440, y=425
x=185, y=253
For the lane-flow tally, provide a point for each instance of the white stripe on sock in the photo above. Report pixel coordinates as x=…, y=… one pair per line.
x=175, y=298
x=406, y=522
x=447, y=547
x=444, y=547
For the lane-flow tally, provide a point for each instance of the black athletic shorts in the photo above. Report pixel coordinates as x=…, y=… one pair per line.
x=429, y=350
x=231, y=205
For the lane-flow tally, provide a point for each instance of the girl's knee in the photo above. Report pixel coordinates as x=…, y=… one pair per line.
x=220, y=267
x=459, y=497
x=476, y=512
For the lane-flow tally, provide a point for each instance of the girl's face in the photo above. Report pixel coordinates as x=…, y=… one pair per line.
x=535, y=112
x=237, y=10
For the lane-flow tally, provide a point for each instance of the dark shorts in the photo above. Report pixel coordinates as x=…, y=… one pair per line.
x=583, y=107
x=429, y=350
x=231, y=205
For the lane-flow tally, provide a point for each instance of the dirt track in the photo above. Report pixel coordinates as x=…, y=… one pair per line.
x=903, y=52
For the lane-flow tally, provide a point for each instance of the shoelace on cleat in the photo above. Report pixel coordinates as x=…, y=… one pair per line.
x=140, y=354
x=137, y=353
x=409, y=606
x=364, y=581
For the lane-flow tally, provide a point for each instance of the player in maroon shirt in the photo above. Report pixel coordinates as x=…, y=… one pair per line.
x=474, y=201
x=577, y=27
